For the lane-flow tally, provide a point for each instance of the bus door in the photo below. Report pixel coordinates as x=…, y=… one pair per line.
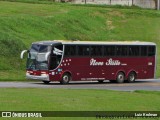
x=55, y=58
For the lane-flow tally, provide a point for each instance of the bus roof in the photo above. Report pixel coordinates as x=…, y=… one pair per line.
x=47, y=42
x=51, y=42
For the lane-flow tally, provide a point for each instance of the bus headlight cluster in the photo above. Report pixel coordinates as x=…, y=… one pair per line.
x=27, y=73
x=43, y=74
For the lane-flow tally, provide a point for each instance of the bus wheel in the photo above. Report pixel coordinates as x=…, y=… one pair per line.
x=131, y=77
x=46, y=82
x=65, y=78
x=120, y=77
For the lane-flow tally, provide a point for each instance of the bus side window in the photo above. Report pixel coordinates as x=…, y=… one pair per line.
x=109, y=50
x=121, y=50
x=73, y=50
x=83, y=50
x=143, y=50
x=99, y=50
x=134, y=50
x=67, y=50
x=96, y=50
x=151, y=50
x=70, y=50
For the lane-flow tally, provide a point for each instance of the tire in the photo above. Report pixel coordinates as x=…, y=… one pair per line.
x=100, y=81
x=131, y=77
x=46, y=82
x=65, y=78
x=120, y=77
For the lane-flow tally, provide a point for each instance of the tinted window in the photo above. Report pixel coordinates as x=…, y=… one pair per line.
x=96, y=50
x=43, y=48
x=83, y=50
x=40, y=48
x=121, y=50
x=133, y=50
x=151, y=50
x=143, y=50
x=70, y=50
x=109, y=50
x=34, y=48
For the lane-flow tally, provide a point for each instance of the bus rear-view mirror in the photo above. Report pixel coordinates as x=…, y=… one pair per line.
x=46, y=56
x=22, y=53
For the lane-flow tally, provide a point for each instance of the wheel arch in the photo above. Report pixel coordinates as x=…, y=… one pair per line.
x=68, y=72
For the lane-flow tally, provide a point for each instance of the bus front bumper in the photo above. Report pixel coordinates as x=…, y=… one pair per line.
x=34, y=77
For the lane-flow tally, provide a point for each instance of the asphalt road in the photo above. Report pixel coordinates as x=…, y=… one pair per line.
x=153, y=85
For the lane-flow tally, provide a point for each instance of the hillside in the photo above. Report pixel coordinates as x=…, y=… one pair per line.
x=24, y=23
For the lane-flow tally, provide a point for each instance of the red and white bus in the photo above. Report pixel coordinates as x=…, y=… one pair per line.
x=84, y=61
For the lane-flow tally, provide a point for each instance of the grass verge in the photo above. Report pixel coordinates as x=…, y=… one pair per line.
x=36, y=99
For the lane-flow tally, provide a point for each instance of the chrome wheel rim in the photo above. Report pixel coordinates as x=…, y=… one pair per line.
x=65, y=78
x=131, y=77
x=121, y=77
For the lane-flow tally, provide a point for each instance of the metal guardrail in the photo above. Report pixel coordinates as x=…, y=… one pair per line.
x=152, y=4
x=158, y=4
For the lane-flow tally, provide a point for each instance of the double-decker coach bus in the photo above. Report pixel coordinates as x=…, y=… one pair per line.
x=84, y=61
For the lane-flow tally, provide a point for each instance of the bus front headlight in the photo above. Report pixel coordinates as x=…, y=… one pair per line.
x=43, y=74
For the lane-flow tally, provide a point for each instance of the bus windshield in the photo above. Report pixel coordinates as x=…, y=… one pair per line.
x=36, y=57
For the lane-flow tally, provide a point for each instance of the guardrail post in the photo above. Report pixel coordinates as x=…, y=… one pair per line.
x=158, y=4
x=85, y=1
